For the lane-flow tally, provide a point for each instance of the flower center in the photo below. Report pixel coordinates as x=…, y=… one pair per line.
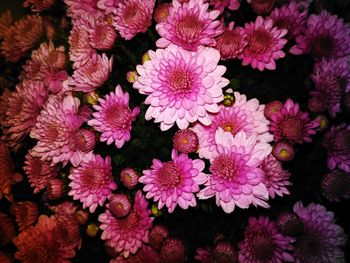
x=292, y=128
x=229, y=127
x=92, y=177
x=263, y=246
x=131, y=12
x=189, y=27
x=51, y=133
x=83, y=140
x=259, y=41
x=56, y=59
x=131, y=222
x=117, y=116
x=225, y=167
x=341, y=142
x=229, y=42
x=310, y=247
x=180, y=81
x=322, y=46
x=169, y=175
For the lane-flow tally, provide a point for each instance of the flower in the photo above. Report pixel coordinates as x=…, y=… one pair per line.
x=231, y=42
x=7, y=230
x=289, y=224
x=162, y=12
x=291, y=124
x=272, y=108
x=189, y=26
x=92, y=74
x=127, y=235
x=129, y=178
x=283, y=151
x=132, y=17
x=172, y=251
x=265, y=44
x=336, y=141
x=263, y=243
x=336, y=185
x=92, y=182
x=244, y=115
x=113, y=117
x=181, y=92
x=173, y=183
x=236, y=179
x=39, y=5
x=120, y=205
x=54, y=189
x=326, y=36
x=76, y=8
x=101, y=34
x=321, y=239
x=224, y=252
x=157, y=235
x=222, y=4
x=25, y=213
x=185, y=141
x=262, y=7
x=146, y=254
x=276, y=178
x=204, y=255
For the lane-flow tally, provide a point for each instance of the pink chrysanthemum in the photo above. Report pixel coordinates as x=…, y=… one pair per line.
x=173, y=183
x=336, y=185
x=283, y=151
x=189, y=25
x=291, y=18
x=92, y=182
x=326, y=36
x=264, y=244
x=127, y=235
x=102, y=35
x=173, y=251
x=5, y=22
x=58, y=134
x=236, y=179
x=24, y=106
x=265, y=44
x=331, y=79
x=182, y=86
x=92, y=74
x=224, y=252
x=336, y=141
x=25, y=213
x=222, y=4
x=245, y=115
x=129, y=178
x=39, y=5
x=76, y=8
x=133, y=16
x=113, y=117
x=146, y=254
x=276, y=178
x=262, y=7
x=120, y=205
x=321, y=239
x=162, y=12
x=232, y=42
x=108, y=6
x=292, y=125
x=185, y=141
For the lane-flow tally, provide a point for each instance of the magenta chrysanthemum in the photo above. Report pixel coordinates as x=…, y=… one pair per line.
x=222, y=4
x=92, y=74
x=114, y=117
x=337, y=143
x=321, y=239
x=265, y=44
x=276, y=178
x=189, y=25
x=133, y=16
x=58, y=134
x=264, y=244
x=92, y=182
x=182, y=86
x=236, y=179
x=127, y=235
x=185, y=141
x=326, y=36
x=245, y=115
x=173, y=183
x=291, y=124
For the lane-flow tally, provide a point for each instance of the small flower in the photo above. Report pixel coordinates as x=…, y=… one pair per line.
x=39, y=5
x=5, y=22
x=289, y=224
x=336, y=185
x=25, y=213
x=157, y=235
x=120, y=205
x=172, y=251
x=76, y=8
x=101, y=34
x=224, y=252
x=272, y=108
x=129, y=178
x=162, y=12
x=185, y=141
x=283, y=151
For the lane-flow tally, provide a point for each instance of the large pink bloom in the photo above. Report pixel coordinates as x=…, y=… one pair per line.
x=291, y=124
x=222, y=4
x=133, y=16
x=236, y=179
x=182, y=86
x=326, y=36
x=92, y=182
x=321, y=238
x=265, y=44
x=114, y=117
x=245, y=115
x=264, y=244
x=173, y=183
x=189, y=25
x=127, y=235
x=58, y=134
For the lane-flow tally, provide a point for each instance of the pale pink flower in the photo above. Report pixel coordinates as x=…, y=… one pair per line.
x=182, y=86
x=39, y=5
x=175, y=182
x=189, y=25
x=236, y=179
x=265, y=44
x=222, y=4
x=133, y=16
x=92, y=182
x=76, y=8
x=113, y=117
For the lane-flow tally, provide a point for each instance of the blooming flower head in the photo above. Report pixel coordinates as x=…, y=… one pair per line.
x=321, y=239
x=25, y=213
x=92, y=74
x=157, y=235
x=102, y=35
x=236, y=179
x=264, y=244
x=265, y=44
x=92, y=182
x=262, y=7
x=173, y=251
x=133, y=16
x=120, y=205
x=289, y=224
x=127, y=235
x=113, y=117
x=231, y=42
x=129, y=178
x=222, y=4
x=54, y=189
x=39, y=5
x=283, y=151
x=244, y=115
x=185, y=141
x=189, y=25
x=336, y=141
x=173, y=183
x=336, y=185
x=271, y=108
x=182, y=86
x=292, y=125
x=326, y=36
x=78, y=8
